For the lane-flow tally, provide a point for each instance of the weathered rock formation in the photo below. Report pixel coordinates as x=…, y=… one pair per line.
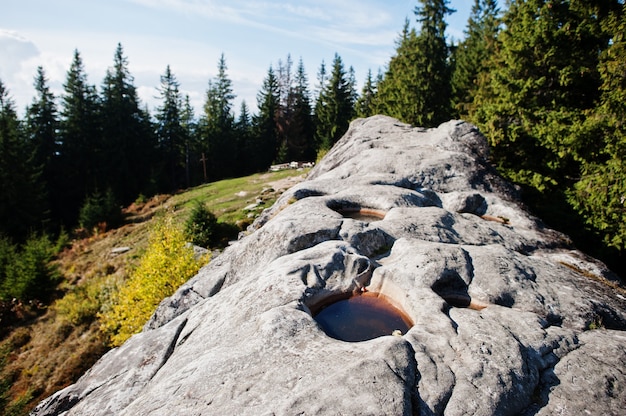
x=503, y=308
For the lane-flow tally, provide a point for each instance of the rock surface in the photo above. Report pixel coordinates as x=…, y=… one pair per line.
x=502, y=306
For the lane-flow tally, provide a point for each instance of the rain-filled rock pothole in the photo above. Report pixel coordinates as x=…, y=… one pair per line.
x=362, y=214
x=361, y=317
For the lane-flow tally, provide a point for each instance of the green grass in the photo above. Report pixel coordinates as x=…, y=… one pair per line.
x=227, y=198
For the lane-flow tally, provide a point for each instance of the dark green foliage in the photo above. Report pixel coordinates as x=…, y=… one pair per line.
x=472, y=57
x=173, y=137
x=127, y=139
x=202, y=227
x=216, y=126
x=416, y=88
x=600, y=195
x=80, y=143
x=265, y=144
x=365, y=105
x=22, y=208
x=100, y=211
x=41, y=130
x=334, y=108
x=245, y=140
x=26, y=272
x=298, y=123
x=552, y=106
x=544, y=80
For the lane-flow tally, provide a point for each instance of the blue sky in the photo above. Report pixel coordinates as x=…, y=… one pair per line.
x=190, y=36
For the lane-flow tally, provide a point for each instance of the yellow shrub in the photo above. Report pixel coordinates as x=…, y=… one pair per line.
x=167, y=263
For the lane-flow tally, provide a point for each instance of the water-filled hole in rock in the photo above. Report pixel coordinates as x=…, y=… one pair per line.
x=362, y=214
x=362, y=317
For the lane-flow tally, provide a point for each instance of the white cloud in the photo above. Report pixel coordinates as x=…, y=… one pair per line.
x=16, y=54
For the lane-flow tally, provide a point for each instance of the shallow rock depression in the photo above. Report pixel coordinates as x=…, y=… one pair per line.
x=503, y=311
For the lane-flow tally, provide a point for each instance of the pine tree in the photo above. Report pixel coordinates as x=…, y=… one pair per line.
x=397, y=91
x=41, y=125
x=416, y=88
x=365, y=104
x=245, y=142
x=171, y=134
x=19, y=191
x=217, y=123
x=126, y=133
x=600, y=195
x=302, y=144
x=80, y=154
x=265, y=126
x=192, y=145
x=284, y=117
x=544, y=80
x=334, y=108
x=472, y=58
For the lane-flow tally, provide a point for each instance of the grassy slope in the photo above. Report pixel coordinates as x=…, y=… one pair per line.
x=49, y=352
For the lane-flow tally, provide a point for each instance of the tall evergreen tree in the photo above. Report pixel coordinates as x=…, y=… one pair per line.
x=19, y=192
x=245, y=142
x=601, y=193
x=284, y=116
x=41, y=126
x=472, y=57
x=217, y=125
x=416, y=87
x=397, y=94
x=302, y=143
x=544, y=80
x=171, y=134
x=80, y=141
x=365, y=104
x=265, y=126
x=126, y=133
x=192, y=146
x=334, y=108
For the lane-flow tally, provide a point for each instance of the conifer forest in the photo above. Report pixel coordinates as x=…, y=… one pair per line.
x=544, y=81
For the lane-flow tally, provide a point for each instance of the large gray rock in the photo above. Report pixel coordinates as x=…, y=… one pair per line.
x=502, y=306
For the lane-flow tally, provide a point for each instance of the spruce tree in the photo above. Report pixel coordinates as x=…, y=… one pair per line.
x=245, y=142
x=397, y=91
x=19, y=178
x=171, y=134
x=41, y=126
x=334, y=108
x=600, y=194
x=544, y=80
x=216, y=125
x=365, y=104
x=301, y=145
x=416, y=88
x=265, y=126
x=193, y=150
x=126, y=134
x=472, y=57
x=80, y=154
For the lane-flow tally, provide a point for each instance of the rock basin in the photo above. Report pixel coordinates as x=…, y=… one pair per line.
x=361, y=317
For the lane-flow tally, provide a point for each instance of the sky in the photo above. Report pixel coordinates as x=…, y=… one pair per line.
x=191, y=35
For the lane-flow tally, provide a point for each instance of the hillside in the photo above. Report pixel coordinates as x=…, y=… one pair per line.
x=48, y=351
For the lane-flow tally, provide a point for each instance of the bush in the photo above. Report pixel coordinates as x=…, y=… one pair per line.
x=167, y=263
x=100, y=209
x=201, y=226
x=27, y=273
x=83, y=303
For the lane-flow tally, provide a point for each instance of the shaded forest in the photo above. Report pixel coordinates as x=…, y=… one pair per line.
x=544, y=80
